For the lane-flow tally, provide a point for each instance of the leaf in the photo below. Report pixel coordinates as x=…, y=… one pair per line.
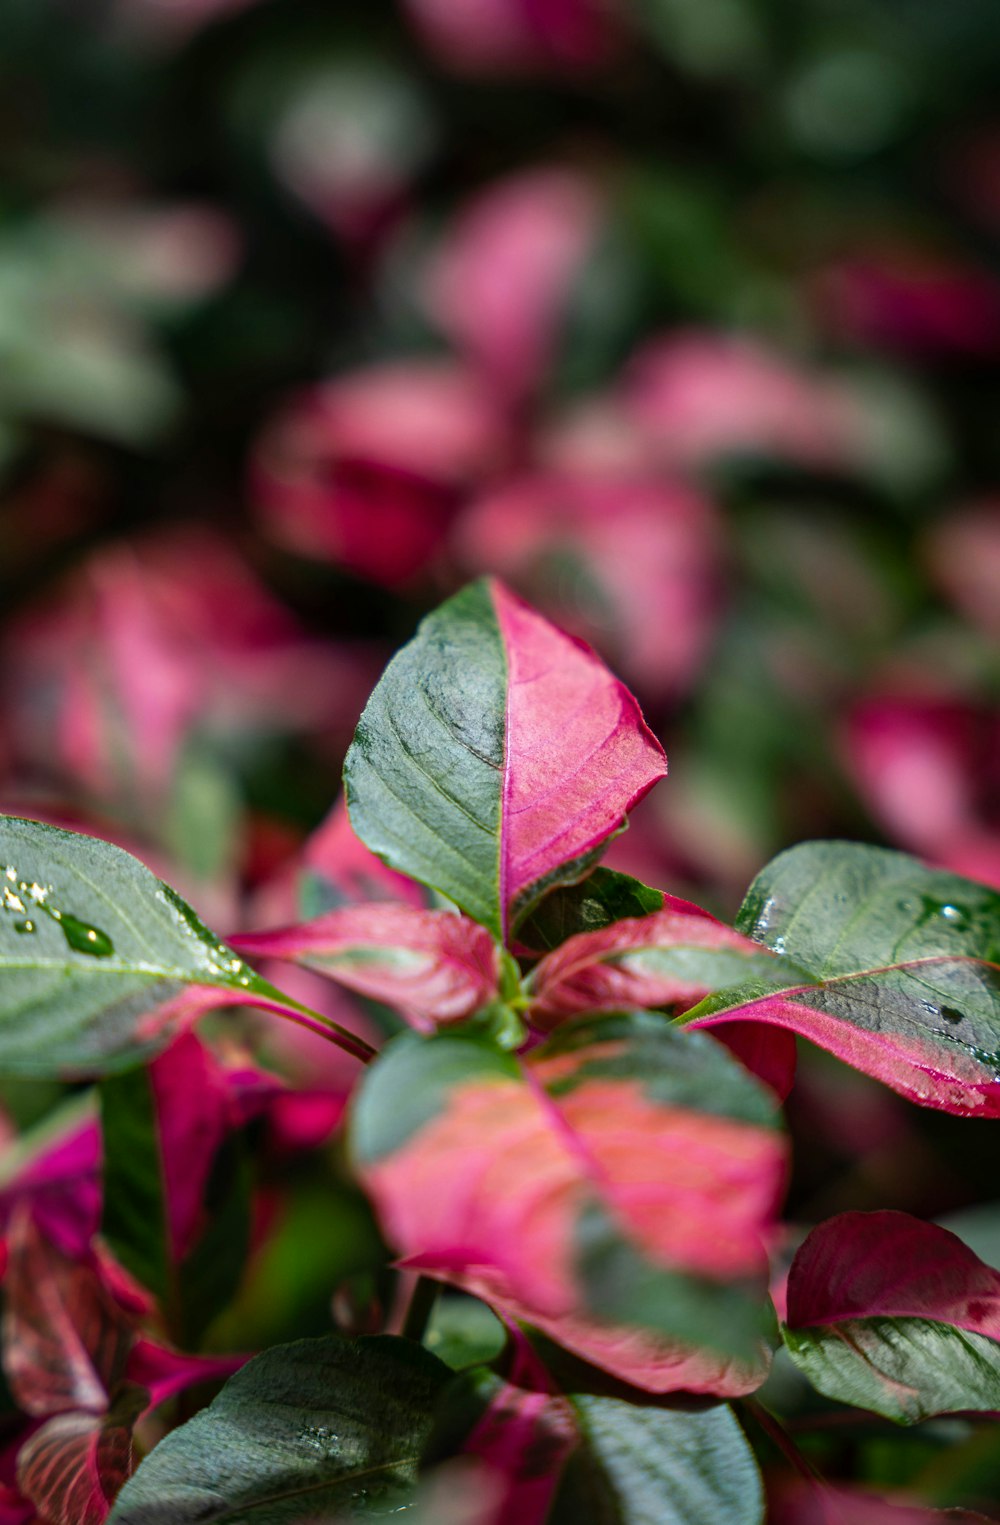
x=431, y=965
x=74, y=1466
x=605, y=896
x=65, y=1339
x=672, y=957
x=167, y=1129
x=99, y=959
x=895, y=1315
x=495, y=757
x=903, y=969
x=612, y=1189
x=56, y=1169
x=585, y=1458
x=319, y=1426
x=658, y=1466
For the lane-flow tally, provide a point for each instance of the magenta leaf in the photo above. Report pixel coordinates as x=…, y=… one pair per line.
x=169, y=1131
x=431, y=965
x=895, y=1315
x=615, y=1189
x=899, y=964
x=74, y=1466
x=56, y=1170
x=65, y=1338
x=496, y=757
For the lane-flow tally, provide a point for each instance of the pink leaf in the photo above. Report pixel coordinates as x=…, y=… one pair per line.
x=163, y=1372
x=60, y=1181
x=66, y=1340
x=670, y=957
x=887, y=1264
x=646, y=551
x=365, y=471
x=338, y=856
x=194, y=1114
x=500, y=283
x=578, y=753
x=433, y=966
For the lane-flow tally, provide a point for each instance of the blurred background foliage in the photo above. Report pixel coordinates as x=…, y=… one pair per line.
x=681, y=315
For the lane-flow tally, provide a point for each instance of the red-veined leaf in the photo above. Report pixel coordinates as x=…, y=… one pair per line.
x=433, y=966
x=496, y=757
x=73, y=1467
x=615, y=1190
x=65, y=1338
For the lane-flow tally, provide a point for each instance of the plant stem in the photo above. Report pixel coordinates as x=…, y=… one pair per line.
x=421, y=1306
x=779, y=1436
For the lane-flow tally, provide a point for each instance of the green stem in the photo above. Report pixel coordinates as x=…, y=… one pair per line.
x=273, y=999
x=418, y=1314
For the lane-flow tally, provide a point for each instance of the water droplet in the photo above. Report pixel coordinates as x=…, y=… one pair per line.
x=952, y=1014
x=934, y=1011
x=778, y=945
x=24, y=926
x=83, y=938
x=956, y=915
x=906, y=906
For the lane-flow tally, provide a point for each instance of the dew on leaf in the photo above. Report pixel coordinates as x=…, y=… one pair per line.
x=83, y=938
x=956, y=915
x=931, y=1009
x=24, y=926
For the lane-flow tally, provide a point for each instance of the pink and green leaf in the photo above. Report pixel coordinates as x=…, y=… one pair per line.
x=895, y=1315
x=674, y=957
x=903, y=970
x=616, y=1190
x=432, y=966
x=496, y=757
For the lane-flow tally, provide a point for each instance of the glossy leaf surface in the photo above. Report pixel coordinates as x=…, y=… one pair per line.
x=431, y=965
x=605, y=896
x=895, y=1315
x=496, y=756
x=320, y=1427
x=92, y=944
x=614, y=1190
x=904, y=970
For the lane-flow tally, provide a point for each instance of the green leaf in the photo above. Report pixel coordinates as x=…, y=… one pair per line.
x=603, y=897
x=328, y=1426
x=906, y=1369
x=91, y=943
x=658, y=1466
